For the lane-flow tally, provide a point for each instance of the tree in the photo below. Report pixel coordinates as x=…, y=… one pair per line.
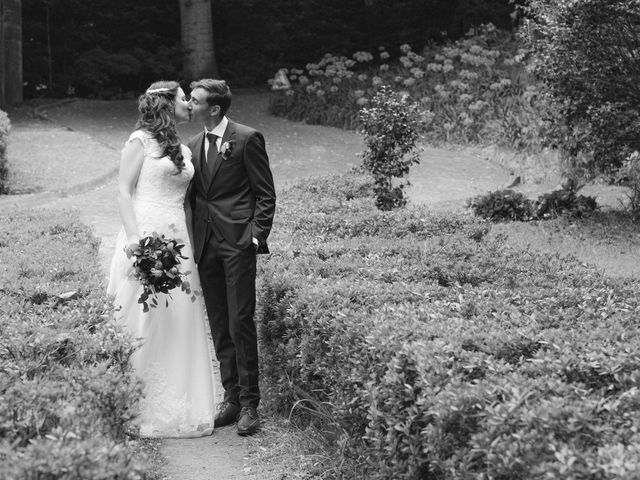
x=587, y=52
x=10, y=52
x=199, y=57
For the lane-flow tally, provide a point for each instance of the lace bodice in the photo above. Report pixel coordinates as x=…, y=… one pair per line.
x=160, y=191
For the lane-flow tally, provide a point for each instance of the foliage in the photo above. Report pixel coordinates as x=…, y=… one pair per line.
x=116, y=48
x=474, y=90
x=5, y=127
x=103, y=48
x=629, y=175
x=502, y=205
x=441, y=353
x=564, y=201
x=585, y=52
x=509, y=205
x=66, y=386
x=390, y=129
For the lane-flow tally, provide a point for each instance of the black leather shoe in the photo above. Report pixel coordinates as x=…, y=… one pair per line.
x=248, y=421
x=227, y=414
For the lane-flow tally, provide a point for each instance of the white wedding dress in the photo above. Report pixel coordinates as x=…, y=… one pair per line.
x=174, y=361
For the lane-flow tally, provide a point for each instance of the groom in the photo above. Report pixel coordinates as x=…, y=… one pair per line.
x=232, y=200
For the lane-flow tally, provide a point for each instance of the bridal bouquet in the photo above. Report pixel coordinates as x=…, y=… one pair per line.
x=157, y=267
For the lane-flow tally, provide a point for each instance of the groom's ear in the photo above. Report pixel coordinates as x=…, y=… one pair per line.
x=214, y=111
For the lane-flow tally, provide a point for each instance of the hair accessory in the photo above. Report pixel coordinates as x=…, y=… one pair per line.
x=158, y=90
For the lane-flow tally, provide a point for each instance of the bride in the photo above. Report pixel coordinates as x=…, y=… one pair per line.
x=174, y=360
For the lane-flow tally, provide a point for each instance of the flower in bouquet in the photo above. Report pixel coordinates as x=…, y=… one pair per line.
x=156, y=266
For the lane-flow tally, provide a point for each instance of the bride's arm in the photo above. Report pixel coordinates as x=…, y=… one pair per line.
x=188, y=211
x=130, y=165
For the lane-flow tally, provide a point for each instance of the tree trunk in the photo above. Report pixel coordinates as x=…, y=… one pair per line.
x=10, y=52
x=199, y=60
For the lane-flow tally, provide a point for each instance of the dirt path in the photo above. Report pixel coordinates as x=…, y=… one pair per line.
x=71, y=162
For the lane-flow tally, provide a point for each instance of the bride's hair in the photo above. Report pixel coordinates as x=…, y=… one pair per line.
x=157, y=107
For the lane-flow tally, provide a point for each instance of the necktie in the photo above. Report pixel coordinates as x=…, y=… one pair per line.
x=212, y=151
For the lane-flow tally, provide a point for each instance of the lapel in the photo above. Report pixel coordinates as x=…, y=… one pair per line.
x=229, y=133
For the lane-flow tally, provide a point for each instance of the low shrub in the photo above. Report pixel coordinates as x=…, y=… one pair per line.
x=562, y=201
x=509, y=205
x=629, y=175
x=444, y=354
x=502, y=205
x=5, y=127
x=66, y=385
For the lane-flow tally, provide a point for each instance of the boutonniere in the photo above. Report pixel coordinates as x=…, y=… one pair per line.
x=226, y=148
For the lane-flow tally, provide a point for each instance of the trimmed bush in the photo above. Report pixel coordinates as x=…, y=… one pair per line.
x=5, y=127
x=66, y=386
x=439, y=353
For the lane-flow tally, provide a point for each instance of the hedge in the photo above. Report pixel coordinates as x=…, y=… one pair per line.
x=66, y=387
x=423, y=349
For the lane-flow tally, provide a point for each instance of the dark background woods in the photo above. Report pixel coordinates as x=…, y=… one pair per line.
x=115, y=48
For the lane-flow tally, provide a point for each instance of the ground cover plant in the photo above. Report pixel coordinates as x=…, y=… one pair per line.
x=474, y=90
x=422, y=347
x=66, y=388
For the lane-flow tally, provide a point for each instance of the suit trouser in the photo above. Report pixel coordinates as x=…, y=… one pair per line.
x=228, y=277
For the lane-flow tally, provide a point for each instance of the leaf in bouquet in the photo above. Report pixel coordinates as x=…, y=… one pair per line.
x=145, y=307
x=193, y=298
x=188, y=272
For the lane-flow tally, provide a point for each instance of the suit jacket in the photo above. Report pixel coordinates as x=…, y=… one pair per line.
x=234, y=198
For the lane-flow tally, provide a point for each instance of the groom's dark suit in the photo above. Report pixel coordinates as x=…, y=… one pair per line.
x=232, y=201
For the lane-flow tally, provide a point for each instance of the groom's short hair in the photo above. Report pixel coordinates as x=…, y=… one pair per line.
x=219, y=93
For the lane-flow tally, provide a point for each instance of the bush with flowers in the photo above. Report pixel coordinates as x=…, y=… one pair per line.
x=474, y=90
x=390, y=129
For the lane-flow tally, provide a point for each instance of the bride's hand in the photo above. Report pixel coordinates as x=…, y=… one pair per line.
x=132, y=244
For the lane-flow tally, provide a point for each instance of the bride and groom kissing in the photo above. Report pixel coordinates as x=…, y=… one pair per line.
x=216, y=197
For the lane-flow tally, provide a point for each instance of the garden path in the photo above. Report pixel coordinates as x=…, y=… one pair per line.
x=68, y=154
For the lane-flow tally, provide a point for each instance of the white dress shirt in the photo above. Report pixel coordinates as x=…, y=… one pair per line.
x=217, y=130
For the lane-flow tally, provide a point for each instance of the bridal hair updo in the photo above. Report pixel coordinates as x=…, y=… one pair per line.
x=157, y=116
